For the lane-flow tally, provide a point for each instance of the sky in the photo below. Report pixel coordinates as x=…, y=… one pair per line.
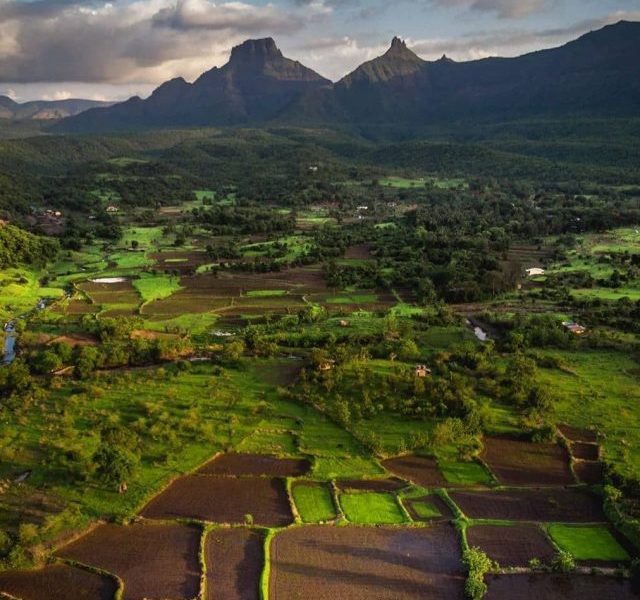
x=111, y=50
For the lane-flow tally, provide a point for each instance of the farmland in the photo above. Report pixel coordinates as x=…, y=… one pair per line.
x=331, y=383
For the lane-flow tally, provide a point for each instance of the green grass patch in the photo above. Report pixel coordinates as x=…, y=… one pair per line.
x=371, y=508
x=314, y=502
x=353, y=299
x=588, y=542
x=265, y=293
x=464, y=473
x=425, y=510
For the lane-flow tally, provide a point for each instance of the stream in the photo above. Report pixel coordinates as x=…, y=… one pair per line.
x=9, y=350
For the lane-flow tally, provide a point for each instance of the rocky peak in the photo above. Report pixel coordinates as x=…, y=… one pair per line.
x=255, y=50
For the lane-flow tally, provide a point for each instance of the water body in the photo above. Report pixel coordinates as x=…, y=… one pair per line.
x=9, y=353
x=10, y=335
x=480, y=334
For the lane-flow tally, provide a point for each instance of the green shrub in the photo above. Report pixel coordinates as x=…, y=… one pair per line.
x=478, y=564
x=562, y=562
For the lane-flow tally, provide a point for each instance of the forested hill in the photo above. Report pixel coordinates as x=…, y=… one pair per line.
x=595, y=75
x=21, y=247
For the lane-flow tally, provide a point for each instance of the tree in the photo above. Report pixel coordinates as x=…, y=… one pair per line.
x=114, y=465
x=233, y=351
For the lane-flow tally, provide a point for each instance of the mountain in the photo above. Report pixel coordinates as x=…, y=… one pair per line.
x=256, y=85
x=595, y=75
x=45, y=110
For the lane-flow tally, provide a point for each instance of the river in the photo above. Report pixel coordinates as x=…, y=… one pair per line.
x=10, y=335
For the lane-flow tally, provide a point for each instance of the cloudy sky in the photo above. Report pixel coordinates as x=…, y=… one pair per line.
x=58, y=49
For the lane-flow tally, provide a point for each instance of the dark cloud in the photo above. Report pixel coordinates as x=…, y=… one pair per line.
x=143, y=41
x=505, y=9
x=204, y=14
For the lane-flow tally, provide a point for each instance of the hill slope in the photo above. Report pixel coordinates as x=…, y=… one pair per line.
x=595, y=75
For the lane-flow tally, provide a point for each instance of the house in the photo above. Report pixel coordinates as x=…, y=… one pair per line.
x=344, y=323
x=112, y=209
x=574, y=328
x=422, y=371
x=327, y=365
x=535, y=272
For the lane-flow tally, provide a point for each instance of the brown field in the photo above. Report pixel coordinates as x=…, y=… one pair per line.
x=359, y=252
x=590, y=472
x=154, y=561
x=524, y=463
x=73, y=340
x=556, y=587
x=255, y=464
x=363, y=563
x=234, y=559
x=227, y=294
x=81, y=307
x=575, y=434
x=57, y=582
x=543, y=505
x=585, y=451
x=122, y=295
x=512, y=546
x=433, y=500
x=223, y=500
x=418, y=469
x=391, y=484
x=182, y=261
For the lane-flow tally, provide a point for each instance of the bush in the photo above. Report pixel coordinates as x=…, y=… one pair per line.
x=479, y=564
x=562, y=562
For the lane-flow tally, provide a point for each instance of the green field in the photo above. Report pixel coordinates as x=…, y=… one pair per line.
x=371, y=508
x=425, y=510
x=599, y=388
x=461, y=473
x=589, y=542
x=314, y=502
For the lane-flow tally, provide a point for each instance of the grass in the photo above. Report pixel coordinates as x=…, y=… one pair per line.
x=425, y=510
x=371, y=508
x=314, y=502
x=588, y=542
x=599, y=388
x=464, y=473
x=353, y=299
x=265, y=293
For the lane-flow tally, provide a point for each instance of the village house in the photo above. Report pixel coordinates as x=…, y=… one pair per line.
x=422, y=371
x=574, y=328
x=112, y=209
x=535, y=272
x=327, y=365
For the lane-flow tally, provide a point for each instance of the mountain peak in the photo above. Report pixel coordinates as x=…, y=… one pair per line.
x=397, y=45
x=399, y=50
x=255, y=50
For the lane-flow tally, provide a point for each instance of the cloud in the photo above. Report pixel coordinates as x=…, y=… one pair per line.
x=139, y=41
x=204, y=14
x=512, y=42
x=505, y=9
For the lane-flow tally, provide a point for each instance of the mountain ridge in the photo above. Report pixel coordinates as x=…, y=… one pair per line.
x=596, y=73
x=42, y=110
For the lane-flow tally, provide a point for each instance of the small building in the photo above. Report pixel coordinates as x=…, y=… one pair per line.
x=535, y=272
x=574, y=328
x=344, y=323
x=112, y=209
x=327, y=365
x=422, y=371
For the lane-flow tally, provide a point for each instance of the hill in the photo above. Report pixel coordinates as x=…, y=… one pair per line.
x=43, y=110
x=597, y=75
